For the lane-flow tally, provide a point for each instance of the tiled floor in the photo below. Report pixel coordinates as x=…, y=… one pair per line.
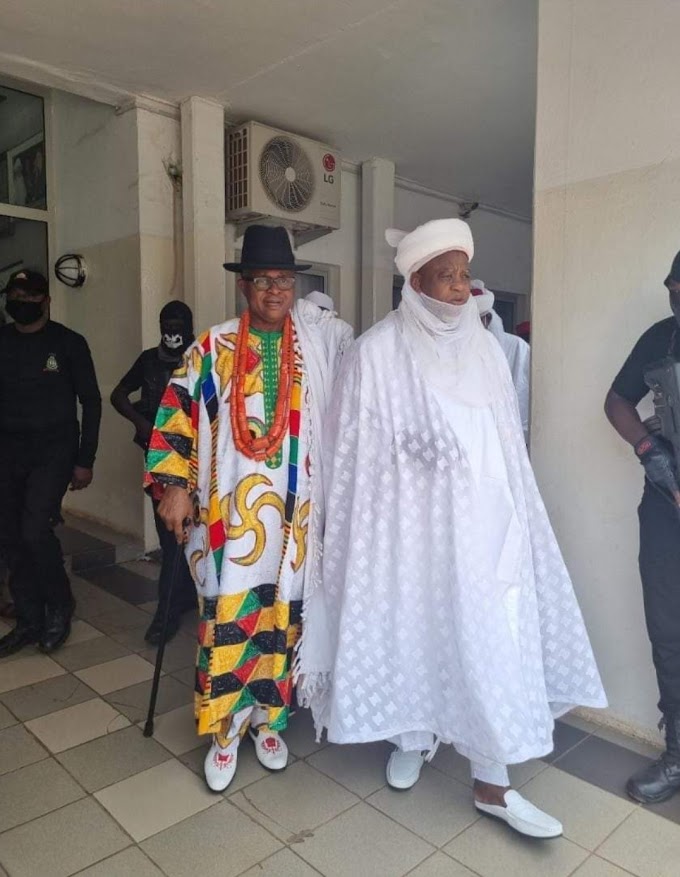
x=82, y=791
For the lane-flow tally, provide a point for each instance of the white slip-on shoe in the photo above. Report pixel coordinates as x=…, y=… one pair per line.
x=220, y=765
x=521, y=815
x=270, y=749
x=403, y=768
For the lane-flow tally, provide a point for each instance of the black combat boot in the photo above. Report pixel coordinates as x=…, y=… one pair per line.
x=660, y=780
x=18, y=638
x=154, y=633
x=57, y=627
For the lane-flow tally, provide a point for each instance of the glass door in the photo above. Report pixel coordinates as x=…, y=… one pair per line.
x=23, y=185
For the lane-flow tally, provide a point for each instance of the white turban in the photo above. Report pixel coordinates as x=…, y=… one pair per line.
x=483, y=297
x=429, y=241
x=321, y=299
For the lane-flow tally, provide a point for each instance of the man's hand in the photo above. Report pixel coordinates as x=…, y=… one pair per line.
x=81, y=478
x=659, y=463
x=143, y=431
x=175, y=508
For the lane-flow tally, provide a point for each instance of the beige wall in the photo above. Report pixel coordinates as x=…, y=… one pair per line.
x=116, y=206
x=606, y=207
x=97, y=215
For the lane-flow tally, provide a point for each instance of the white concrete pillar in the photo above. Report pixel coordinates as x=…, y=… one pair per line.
x=203, y=210
x=377, y=257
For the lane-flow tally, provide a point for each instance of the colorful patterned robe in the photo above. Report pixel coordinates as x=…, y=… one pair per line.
x=247, y=547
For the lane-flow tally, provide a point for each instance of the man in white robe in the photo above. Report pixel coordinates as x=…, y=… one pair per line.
x=322, y=300
x=516, y=350
x=442, y=610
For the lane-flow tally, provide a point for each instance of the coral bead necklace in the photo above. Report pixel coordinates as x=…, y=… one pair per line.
x=265, y=446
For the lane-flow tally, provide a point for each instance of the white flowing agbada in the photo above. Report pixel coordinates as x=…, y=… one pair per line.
x=442, y=605
x=518, y=354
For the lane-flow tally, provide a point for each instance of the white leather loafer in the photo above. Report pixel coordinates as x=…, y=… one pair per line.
x=270, y=749
x=403, y=768
x=521, y=815
x=220, y=765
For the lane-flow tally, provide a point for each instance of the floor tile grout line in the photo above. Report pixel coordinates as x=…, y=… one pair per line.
x=113, y=856
x=420, y=864
x=554, y=763
x=596, y=851
x=299, y=857
x=569, y=750
x=40, y=744
x=435, y=846
x=602, y=788
x=168, y=827
x=87, y=796
x=115, y=782
x=276, y=853
x=339, y=782
x=147, y=856
x=458, y=862
x=270, y=819
x=54, y=756
x=251, y=818
x=592, y=855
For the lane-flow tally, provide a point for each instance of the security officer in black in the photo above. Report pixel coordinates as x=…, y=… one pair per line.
x=45, y=370
x=150, y=374
x=659, y=515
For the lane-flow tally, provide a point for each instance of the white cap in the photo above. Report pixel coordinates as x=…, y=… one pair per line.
x=483, y=297
x=428, y=241
x=321, y=299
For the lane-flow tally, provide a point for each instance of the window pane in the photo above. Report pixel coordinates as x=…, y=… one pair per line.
x=23, y=244
x=306, y=283
x=22, y=149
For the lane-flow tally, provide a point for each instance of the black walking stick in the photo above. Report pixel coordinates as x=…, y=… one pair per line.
x=174, y=574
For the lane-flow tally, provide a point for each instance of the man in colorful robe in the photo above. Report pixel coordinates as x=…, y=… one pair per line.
x=444, y=612
x=237, y=445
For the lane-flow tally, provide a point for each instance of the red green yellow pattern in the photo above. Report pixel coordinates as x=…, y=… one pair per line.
x=245, y=639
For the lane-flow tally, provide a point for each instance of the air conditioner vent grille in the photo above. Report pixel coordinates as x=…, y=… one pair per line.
x=237, y=177
x=286, y=174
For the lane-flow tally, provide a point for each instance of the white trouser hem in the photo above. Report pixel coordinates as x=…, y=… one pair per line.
x=490, y=772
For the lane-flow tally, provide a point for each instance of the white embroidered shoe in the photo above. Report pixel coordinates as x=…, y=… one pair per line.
x=403, y=768
x=220, y=765
x=270, y=749
x=521, y=815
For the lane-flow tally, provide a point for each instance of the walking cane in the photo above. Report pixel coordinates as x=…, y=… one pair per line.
x=174, y=574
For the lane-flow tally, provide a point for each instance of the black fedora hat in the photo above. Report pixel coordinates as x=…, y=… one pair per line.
x=266, y=247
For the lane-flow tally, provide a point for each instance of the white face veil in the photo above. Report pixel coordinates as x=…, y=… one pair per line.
x=447, y=341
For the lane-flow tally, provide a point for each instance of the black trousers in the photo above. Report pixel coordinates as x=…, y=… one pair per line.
x=35, y=471
x=184, y=592
x=660, y=573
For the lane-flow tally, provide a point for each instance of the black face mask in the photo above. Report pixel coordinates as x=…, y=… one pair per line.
x=24, y=312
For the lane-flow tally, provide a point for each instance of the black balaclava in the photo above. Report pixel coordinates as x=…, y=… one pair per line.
x=674, y=277
x=173, y=344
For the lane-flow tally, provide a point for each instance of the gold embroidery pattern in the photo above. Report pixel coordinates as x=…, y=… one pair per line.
x=300, y=527
x=249, y=515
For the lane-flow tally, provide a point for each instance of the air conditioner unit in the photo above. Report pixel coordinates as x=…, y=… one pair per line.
x=273, y=176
